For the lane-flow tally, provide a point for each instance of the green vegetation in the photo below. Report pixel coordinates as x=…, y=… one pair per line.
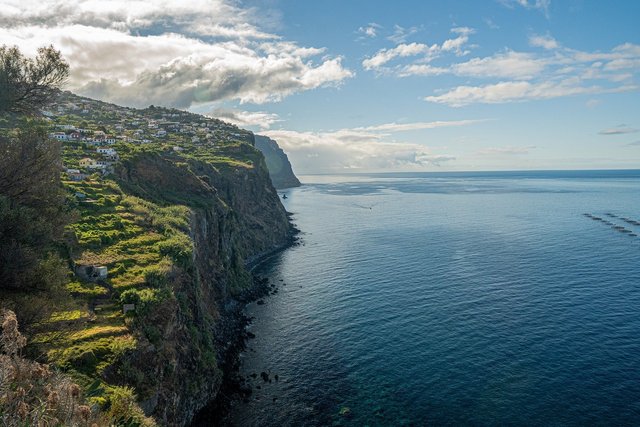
x=70, y=214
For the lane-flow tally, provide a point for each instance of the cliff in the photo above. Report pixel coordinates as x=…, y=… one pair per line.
x=235, y=216
x=172, y=208
x=278, y=164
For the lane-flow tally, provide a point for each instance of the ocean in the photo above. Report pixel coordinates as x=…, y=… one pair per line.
x=452, y=299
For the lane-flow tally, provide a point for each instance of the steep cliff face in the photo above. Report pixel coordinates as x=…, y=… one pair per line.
x=236, y=216
x=278, y=164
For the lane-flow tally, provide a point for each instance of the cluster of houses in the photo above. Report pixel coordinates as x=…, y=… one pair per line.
x=178, y=128
x=106, y=158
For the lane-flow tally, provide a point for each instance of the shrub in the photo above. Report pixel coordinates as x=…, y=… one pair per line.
x=32, y=393
x=178, y=247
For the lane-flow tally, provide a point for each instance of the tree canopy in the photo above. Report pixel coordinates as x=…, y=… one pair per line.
x=32, y=200
x=27, y=84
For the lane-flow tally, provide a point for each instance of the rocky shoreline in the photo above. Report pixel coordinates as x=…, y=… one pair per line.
x=232, y=337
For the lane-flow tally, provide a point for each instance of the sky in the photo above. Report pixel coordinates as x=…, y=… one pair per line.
x=362, y=86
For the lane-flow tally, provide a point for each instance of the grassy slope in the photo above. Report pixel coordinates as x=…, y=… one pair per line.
x=140, y=242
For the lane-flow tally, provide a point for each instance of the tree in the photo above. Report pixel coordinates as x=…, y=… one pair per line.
x=32, y=201
x=27, y=84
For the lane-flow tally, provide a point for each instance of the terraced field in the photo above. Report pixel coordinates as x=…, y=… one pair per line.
x=138, y=242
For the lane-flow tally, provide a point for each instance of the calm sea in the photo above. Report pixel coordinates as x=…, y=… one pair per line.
x=453, y=299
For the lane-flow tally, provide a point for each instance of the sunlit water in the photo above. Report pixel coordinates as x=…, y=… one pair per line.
x=452, y=299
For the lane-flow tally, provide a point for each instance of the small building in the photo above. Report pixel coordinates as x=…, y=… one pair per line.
x=91, y=272
x=86, y=162
x=176, y=148
x=77, y=176
x=97, y=165
x=60, y=136
x=107, y=151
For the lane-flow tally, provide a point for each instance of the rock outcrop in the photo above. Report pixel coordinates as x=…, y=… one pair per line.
x=278, y=164
x=236, y=217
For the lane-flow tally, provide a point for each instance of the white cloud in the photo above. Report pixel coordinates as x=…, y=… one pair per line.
x=222, y=56
x=218, y=18
x=400, y=34
x=368, y=148
x=426, y=52
x=260, y=119
x=546, y=42
x=511, y=64
x=541, y=5
x=530, y=76
x=505, y=151
x=421, y=70
x=369, y=31
x=511, y=91
x=456, y=44
x=346, y=150
x=620, y=130
x=401, y=127
x=403, y=50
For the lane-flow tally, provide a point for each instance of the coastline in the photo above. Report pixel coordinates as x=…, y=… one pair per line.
x=232, y=336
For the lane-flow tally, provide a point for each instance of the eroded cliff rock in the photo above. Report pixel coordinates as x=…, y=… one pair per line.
x=236, y=216
x=278, y=164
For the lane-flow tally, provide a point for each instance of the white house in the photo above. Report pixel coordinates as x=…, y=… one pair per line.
x=60, y=136
x=161, y=133
x=107, y=151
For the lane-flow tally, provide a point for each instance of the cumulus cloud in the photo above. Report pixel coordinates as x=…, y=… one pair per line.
x=530, y=76
x=402, y=50
x=546, y=42
x=367, y=148
x=218, y=18
x=426, y=53
x=369, y=31
x=620, y=130
x=259, y=119
x=131, y=52
x=456, y=44
x=348, y=150
x=555, y=71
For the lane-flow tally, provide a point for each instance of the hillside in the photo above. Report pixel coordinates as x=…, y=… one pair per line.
x=278, y=164
x=171, y=207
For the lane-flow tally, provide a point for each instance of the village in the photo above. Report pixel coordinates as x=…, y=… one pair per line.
x=96, y=135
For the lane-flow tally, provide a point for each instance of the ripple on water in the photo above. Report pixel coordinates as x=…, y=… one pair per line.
x=465, y=300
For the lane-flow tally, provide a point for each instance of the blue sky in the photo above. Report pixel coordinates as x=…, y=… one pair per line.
x=355, y=86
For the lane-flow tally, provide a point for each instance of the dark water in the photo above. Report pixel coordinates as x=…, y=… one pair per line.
x=474, y=299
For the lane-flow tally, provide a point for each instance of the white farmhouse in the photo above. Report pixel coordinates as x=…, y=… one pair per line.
x=106, y=151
